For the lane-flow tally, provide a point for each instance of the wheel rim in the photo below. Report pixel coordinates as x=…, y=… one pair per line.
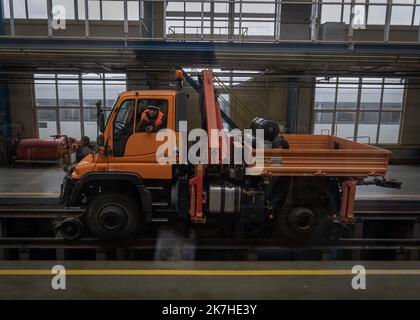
x=71, y=228
x=302, y=219
x=112, y=218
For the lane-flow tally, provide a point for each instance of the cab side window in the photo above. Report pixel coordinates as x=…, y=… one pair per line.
x=123, y=126
x=152, y=115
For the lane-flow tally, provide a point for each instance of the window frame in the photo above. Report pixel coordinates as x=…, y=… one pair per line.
x=55, y=78
x=358, y=110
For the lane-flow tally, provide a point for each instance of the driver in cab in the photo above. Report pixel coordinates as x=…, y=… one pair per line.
x=151, y=119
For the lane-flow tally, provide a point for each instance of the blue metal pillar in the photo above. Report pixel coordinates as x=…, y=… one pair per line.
x=292, y=105
x=5, y=120
x=1, y=17
x=149, y=18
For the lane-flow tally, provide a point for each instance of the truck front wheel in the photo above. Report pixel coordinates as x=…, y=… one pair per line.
x=113, y=215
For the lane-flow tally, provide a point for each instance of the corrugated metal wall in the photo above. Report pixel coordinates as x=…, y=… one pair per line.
x=411, y=117
x=264, y=96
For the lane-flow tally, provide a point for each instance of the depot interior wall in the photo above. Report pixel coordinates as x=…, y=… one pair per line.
x=267, y=96
x=271, y=102
x=305, y=102
x=22, y=109
x=410, y=134
x=266, y=101
x=264, y=96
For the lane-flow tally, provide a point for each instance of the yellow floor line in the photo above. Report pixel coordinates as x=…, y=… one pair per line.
x=145, y=272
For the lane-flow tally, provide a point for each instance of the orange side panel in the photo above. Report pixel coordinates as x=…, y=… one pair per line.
x=145, y=170
x=323, y=155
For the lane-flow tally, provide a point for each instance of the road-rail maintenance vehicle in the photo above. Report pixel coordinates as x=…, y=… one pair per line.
x=304, y=189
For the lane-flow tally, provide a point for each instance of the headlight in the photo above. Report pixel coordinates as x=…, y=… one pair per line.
x=71, y=168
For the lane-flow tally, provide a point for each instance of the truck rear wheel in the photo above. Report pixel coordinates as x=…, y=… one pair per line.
x=113, y=215
x=303, y=214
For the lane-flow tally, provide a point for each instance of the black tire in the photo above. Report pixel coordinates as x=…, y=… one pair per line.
x=318, y=198
x=113, y=216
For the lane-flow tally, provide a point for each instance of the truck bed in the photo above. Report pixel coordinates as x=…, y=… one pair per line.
x=325, y=155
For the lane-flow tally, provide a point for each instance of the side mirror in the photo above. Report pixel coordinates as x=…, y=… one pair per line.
x=100, y=140
x=100, y=113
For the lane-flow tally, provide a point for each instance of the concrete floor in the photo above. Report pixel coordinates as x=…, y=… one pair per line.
x=37, y=180
x=409, y=175
x=211, y=280
x=44, y=182
x=30, y=185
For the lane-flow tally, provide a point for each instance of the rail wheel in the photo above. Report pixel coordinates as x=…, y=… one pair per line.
x=113, y=215
x=304, y=211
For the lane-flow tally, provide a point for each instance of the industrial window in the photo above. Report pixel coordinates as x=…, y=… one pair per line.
x=362, y=109
x=66, y=103
x=221, y=18
x=74, y=9
x=372, y=12
x=376, y=13
x=403, y=12
x=68, y=5
x=400, y=15
x=339, y=12
x=109, y=9
x=26, y=9
x=241, y=17
x=224, y=102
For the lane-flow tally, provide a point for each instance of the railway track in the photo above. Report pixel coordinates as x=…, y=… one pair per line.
x=39, y=213
x=12, y=247
x=392, y=210
x=222, y=249
x=206, y=244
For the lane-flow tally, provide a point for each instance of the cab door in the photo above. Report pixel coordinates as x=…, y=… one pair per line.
x=143, y=145
x=134, y=151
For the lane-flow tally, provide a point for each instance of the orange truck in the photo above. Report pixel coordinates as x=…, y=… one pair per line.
x=303, y=188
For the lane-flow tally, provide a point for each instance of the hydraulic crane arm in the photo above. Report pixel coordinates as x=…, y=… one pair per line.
x=212, y=116
x=199, y=89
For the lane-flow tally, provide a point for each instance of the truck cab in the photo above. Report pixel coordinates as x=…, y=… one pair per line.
x=126, y=147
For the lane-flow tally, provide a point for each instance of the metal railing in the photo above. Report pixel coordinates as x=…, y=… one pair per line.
x=209, y=33
x=356, y=138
